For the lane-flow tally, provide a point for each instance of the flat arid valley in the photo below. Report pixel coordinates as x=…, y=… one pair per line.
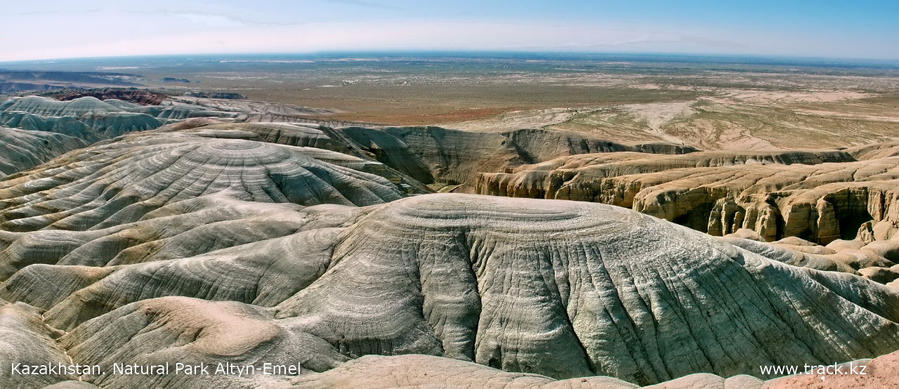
x=444, y=218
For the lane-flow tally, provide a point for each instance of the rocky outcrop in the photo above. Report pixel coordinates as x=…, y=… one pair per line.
x=291, y=134
x=20, y=149
x=45, y=107
x=875, y=150
x=819, y=196
x=434, y=156
x=91, y=119
x=122, y=181
x=451, y=157
x=137, y=96
x=251, y=110
x=598, y=255
x=876, y=261
x=497, y=281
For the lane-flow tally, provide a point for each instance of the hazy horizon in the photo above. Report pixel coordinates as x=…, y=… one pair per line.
x=863, y=30
x=124, y=62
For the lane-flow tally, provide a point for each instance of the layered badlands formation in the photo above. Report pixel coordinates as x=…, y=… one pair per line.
x=819, y=196
x=22, y=149
x=138, y=96
x=258, y=243
x=847, y=200
x=91, y=119
x=501, y=282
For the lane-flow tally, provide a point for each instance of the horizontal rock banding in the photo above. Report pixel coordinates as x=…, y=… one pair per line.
x=268, y=242
x=819, y=196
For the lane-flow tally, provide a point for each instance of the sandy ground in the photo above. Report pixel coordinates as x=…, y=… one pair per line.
x=513, y=120
x=727, y=119
x=769, y=97
x=656, y=115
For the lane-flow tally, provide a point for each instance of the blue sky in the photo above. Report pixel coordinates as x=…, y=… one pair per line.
x=65, y=29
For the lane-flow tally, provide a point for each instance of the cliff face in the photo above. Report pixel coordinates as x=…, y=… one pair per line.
x=819, y=196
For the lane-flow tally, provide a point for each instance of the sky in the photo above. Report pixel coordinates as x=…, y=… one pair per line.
x=51, y=29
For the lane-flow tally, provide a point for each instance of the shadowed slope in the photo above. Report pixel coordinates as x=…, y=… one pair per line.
x=435, y=155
